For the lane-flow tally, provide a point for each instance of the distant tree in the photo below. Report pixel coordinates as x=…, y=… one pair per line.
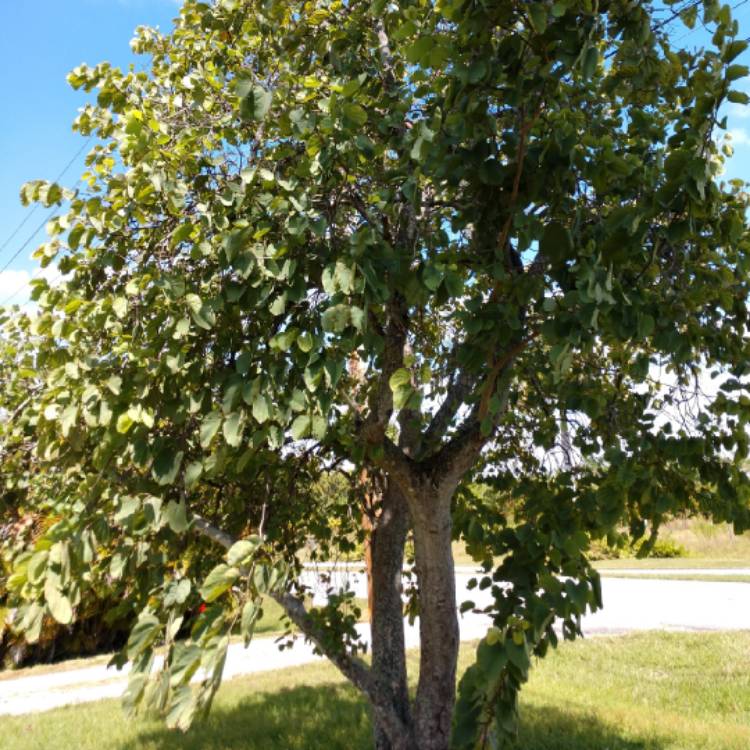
x=509, y=213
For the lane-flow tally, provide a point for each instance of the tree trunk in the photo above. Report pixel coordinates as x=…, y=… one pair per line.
x=388, y=652
x=438, y=620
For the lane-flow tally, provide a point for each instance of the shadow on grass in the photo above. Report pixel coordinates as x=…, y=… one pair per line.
x=329, y=717
x=332, y=717
x=549, y=728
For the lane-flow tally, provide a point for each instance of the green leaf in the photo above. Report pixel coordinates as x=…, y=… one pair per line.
x=538, y=16
x=120, y=307
x=143, y=634
x=124, y=423
x=242, y=365
x=219, y=580
x=209, y=428
x=556, y=243
x=336, y=318
x=255, y=101
x=319, y=427
x=182, y=708
x=186, y=658
x=590, y=61
x=355, y=113
x=59, y=605
x=305, y=342
x=241, y=552
x=193, y=472
x=68, y=420
x=734, y=49
x=399, y=379
x=235, y=242
x=261, y=408
x=166, y=466
x=733, y=72
x=250, y=613
x=419, y=50
x=176, y=516
x=301, y=426
x=36, y=567
x=738, y=97
x=432, y=277
x=518, y=654
x=233, y=426
x=114, y=384
x=32, y=619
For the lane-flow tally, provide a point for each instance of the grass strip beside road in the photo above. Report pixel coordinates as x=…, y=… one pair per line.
x=717, y=578
x=667, y=563
x=647, y=691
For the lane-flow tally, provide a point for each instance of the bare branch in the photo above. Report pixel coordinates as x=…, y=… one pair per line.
x=215, y=535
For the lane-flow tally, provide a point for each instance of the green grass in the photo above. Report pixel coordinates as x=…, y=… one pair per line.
x=655, y=691
x=659, y=563
x=679, y=577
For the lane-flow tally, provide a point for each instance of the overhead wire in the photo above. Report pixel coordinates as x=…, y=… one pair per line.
x=28, y=216
x=47, y=218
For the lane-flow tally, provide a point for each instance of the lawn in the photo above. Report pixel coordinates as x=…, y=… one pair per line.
x=654, y=691
x=667, y=563
x=706, y=545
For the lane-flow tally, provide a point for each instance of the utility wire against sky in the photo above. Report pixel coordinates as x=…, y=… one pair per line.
x=47, y=218
x=30, y=213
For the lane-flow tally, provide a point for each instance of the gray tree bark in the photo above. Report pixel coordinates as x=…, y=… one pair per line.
x=438, y=620
x=388, y=649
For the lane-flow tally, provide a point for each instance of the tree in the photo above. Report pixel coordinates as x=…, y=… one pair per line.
x=510, y=214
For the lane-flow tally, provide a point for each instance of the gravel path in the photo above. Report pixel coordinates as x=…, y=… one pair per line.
x=630, y=605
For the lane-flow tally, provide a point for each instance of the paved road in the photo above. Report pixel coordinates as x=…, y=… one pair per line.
x=630, y=604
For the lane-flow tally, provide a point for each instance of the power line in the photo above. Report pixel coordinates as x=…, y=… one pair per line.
x=28, y=241
x=51, y=281
x=47, y=218
x=36, y=206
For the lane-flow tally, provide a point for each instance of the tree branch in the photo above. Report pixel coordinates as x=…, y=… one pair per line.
x=458, y=455
x=354, y=669
x=215, y=535
x=459, y=390
x=381, y=406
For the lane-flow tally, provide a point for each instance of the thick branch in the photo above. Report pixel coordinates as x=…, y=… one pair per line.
x=459, y=390
x=215, y=535
x=457, y=456
x=395, y=333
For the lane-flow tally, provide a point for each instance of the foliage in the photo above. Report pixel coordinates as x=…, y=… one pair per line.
x=417, y=243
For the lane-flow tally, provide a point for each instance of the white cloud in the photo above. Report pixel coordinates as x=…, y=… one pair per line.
x=14, y=287
x=738, y=111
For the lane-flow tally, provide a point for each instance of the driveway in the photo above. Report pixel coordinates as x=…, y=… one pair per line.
x=630, y=605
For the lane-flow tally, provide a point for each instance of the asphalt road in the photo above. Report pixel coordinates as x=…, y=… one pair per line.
x=629, y=605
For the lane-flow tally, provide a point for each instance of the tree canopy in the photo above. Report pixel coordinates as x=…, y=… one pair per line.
x=410, y=242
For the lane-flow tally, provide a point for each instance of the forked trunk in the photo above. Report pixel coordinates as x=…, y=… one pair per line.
x=438, y=622
x=388, y=653
x=425, y=724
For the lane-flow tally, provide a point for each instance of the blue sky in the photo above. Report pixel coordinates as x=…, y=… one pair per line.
x=41, y=41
